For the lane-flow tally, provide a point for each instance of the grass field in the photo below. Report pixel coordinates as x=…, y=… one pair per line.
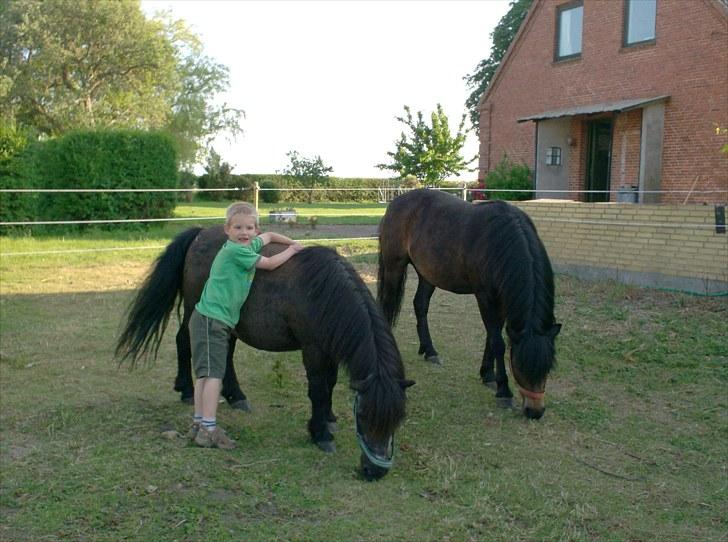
x=633, y=445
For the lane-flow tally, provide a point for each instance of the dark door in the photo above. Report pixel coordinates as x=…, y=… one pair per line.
x=599, y=151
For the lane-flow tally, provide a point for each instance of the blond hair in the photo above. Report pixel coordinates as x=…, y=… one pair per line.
x=241, y=207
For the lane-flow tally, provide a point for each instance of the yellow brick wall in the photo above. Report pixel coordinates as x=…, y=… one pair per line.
x=673, y=246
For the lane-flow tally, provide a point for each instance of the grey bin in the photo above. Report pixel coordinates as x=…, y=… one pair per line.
x=627, y=194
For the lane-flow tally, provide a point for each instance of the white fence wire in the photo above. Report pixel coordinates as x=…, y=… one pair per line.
x=383, y=191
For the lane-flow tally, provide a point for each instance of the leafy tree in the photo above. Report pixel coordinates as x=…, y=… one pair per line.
x=428, y=152
x=12, y=141
x=194, y=120
x=308, y=172
x=218, y=174
x=69, y=64
x=502, y=37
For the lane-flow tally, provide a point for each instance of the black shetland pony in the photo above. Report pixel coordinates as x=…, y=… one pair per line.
x=491, y=250
x=316, y=303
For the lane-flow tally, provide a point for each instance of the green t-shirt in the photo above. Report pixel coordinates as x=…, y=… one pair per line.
x=228, y=285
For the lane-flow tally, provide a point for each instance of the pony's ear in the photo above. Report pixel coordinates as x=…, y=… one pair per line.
x=554, y=331
x=361, y=385
x=406, y=383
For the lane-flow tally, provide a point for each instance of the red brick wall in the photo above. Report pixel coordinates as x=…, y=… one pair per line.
x=687, y=62
x=577, y=163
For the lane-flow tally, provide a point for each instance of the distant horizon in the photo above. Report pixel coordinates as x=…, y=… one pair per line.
x=390, y=178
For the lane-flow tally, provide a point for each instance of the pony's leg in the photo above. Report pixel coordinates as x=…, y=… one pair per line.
x=183, y=381
x=319, y=393
x=487, y=367
x=495, y=350
x=422, y=305
x=332, y=376
x=230, y=387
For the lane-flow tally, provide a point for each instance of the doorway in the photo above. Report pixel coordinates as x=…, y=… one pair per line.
x=598, y=159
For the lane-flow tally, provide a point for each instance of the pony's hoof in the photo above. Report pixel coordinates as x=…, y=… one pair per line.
x=504, y=402
x=241, y=404
x=333, y=427
x=188, y=400
x=435, y=360
x=491, y=384
x=327, y=446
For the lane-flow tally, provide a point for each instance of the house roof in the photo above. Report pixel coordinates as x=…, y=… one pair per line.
x=591, y=109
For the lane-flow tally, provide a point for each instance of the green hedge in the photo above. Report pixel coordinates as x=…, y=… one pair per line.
x=370, y=194
x=95, y=160
x=109, y=159
x=300, y=196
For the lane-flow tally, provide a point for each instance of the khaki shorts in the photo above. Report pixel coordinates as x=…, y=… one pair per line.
x=209, y=339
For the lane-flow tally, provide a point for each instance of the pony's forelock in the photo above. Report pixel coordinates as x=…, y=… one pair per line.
x=534, y=355
x=383, y=407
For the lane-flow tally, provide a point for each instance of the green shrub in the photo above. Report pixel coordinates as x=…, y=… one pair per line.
x=267, y=195
x=511, y=176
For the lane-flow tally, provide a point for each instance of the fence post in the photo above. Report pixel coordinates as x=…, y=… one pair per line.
x=465, y=191
x=256, y=191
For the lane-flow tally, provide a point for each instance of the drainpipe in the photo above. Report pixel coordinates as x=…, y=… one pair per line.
x=535, y=162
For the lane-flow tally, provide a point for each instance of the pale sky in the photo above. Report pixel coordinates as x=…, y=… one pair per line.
x=328, y=78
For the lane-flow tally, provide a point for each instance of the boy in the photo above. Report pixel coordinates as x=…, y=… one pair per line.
x=218, y=311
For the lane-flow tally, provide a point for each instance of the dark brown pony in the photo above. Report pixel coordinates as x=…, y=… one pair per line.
x=491, y=250
x=316, y=303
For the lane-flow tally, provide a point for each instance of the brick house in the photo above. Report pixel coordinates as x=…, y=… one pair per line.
x=603, y=96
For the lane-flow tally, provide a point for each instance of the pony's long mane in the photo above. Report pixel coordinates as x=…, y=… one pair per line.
x=352, y=329
x=524, y=281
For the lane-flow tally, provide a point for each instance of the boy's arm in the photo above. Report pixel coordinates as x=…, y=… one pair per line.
x=273, y=237
x=271, y=262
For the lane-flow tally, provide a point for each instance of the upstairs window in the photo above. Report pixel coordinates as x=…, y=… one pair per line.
x=569, y=19
x=639, y=21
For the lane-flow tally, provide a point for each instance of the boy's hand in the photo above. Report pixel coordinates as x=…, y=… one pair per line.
x=296, y=247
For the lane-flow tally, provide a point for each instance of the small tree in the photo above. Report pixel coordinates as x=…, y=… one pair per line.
x=429, y=153
x=307, y=172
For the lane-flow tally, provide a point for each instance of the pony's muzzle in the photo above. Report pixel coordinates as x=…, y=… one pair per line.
x=534, y=404
x=370, y=471
x=533, y=413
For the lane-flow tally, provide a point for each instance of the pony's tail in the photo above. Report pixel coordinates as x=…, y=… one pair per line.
x=148, y=314
x=390, y=287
